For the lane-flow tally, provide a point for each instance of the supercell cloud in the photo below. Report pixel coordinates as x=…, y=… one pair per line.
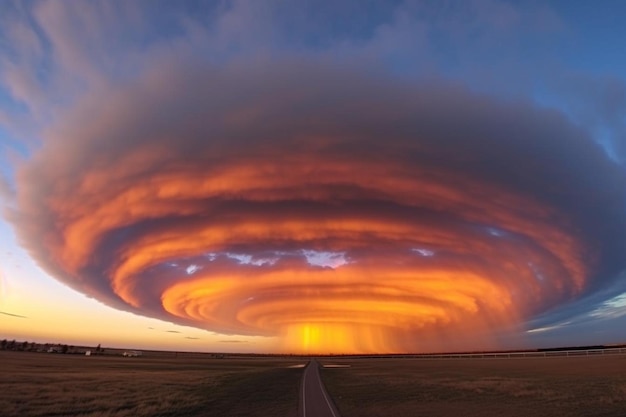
x=334, y=209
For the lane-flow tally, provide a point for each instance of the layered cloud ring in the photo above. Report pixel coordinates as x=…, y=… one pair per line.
x=335, y=211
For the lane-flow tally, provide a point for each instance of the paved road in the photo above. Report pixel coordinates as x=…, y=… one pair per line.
x=314, y=400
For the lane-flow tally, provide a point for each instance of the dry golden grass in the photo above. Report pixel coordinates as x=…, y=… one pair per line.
x=39, y=384
x=551, y=387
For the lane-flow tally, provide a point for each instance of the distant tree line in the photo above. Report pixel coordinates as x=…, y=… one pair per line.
x=25, y=346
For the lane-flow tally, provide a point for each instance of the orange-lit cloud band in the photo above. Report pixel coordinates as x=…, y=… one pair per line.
x=356, y=230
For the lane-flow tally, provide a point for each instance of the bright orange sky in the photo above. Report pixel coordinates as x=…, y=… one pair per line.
x=50, y=312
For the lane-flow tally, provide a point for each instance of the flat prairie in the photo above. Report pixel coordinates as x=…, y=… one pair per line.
x=550, y=387
x=42, y=384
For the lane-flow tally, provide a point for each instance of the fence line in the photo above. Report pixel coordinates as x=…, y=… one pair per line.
x=528, y=354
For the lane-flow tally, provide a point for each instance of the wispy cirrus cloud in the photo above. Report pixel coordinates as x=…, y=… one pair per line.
x=19, y=316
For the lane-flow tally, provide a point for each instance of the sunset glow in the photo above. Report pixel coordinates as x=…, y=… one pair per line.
x=421, y=254
x=241, y=176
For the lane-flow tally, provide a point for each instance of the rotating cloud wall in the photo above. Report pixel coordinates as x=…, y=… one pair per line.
x=334, y=210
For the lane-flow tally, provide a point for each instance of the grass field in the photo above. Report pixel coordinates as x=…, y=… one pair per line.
x=550, y=387
x=39, y=384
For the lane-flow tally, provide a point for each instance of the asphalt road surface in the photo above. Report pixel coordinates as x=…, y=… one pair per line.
x=314, y=400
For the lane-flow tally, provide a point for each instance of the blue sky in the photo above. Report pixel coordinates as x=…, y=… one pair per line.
x=93, y=83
